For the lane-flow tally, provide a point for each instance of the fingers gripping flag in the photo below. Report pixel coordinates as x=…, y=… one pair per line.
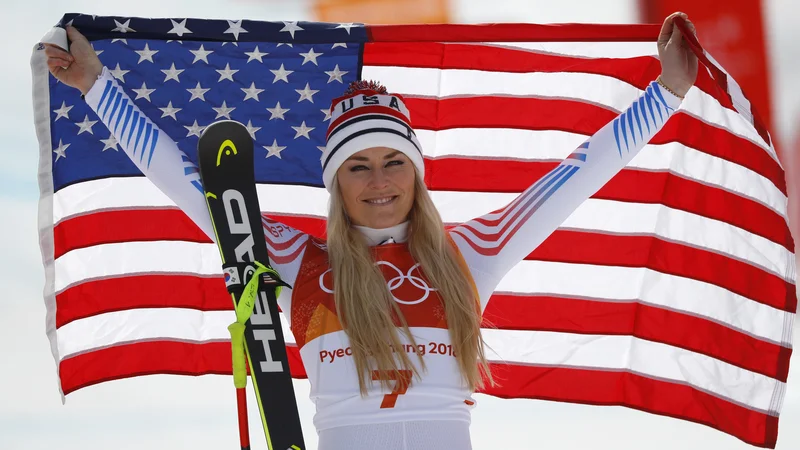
x=671, y=290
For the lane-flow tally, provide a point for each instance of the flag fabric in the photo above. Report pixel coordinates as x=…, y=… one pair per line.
x=671, y=290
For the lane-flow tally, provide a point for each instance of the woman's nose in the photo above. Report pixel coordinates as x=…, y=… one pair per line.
x=378, y=179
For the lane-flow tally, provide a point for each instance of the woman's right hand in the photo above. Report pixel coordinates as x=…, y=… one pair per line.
x=78, y=68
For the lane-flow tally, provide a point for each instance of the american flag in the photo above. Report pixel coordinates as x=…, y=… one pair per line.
x=671, y=290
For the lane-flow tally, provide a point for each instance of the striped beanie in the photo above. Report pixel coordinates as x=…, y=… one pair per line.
x=368, y=116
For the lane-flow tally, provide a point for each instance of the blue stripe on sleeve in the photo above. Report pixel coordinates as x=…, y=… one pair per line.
x=152, y=146
x=133, y=126
x=105, y=93
x=142, y=120
x=147, y=131
x=119, y=117
x=111, y=96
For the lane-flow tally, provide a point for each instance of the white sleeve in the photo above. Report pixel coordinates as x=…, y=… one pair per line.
x=496, y=242
x=158, y=157
x=151, y=150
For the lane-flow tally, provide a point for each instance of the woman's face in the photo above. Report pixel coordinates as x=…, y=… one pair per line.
x=377, y=185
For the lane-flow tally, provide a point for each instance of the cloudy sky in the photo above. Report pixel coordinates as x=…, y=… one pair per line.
x=199, y=413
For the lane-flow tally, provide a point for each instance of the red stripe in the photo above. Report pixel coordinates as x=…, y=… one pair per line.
x=515, y=381
x=141, y=291
x=595, y=387
x=583, y=118
x=513, y=32
x=629, y=185
x=573, y=315
x=360, y=110
x=671, y=258
x=636, y=71
x=154, y=357
x=154, y=224
x=562, y=246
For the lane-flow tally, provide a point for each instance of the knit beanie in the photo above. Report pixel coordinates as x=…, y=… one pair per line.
x=368, y=116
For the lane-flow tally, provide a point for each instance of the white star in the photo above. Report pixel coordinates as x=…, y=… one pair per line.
x=291, y=27
x=123, y=27
x=226, y=73
x=274, y=149
x=198, y=92
x=336, y=74
x=284, y=43
x=124, y=41
x=223, y=111
x=306, y=94
x=60, y=151
x=346, y=26
x=277, y=112
x=281, y=74
x=302, y=130
x=251, y=92
x=169, y=111
x=235, y=28
x=321, y=148
x=118, y=73
x=63, y=111
x=172, y=73
x=201, y=54
x=194, y=129
x=235, y=44
x=143, y=92
x=339, y=44
x=255, y=55
x=86, y=125
x=310, y=56
x=327, y=112
x=178, y=28
x=252, y=130
x=97, y=52
x=110, y=143
x=146, y=54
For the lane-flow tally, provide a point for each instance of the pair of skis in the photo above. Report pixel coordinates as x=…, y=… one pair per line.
x=226, y=170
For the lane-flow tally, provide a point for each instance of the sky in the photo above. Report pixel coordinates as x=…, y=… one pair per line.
x=200, y=412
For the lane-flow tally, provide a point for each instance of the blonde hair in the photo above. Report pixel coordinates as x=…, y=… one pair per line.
x=367, y=311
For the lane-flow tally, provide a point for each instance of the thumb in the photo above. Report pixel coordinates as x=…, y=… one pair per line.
x=677, y=36
x=75, y=36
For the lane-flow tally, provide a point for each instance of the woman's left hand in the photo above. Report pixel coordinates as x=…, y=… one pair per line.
x=678, y=62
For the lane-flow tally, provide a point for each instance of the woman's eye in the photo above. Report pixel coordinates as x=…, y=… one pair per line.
x=358, y=168
x=395, y=162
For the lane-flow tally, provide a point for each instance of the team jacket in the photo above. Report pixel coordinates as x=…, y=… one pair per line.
x=489, y=246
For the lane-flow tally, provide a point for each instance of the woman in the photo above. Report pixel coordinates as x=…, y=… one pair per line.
x=387, y=312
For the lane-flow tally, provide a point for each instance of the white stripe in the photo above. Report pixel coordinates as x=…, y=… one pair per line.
x=112, y=260
x=584, y=87
x=650, y=287
x=107, y=193
x=644, y=357
x=457, y=207
x=148, y=324
x=585, y=49
x=527, y=277
x=552, y=145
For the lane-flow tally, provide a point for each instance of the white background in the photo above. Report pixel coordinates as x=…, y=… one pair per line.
x=200, y=413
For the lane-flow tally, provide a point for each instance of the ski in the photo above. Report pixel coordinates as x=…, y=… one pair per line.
x=226, y=171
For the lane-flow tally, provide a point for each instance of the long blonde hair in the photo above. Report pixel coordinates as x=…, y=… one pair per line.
x=365, y=306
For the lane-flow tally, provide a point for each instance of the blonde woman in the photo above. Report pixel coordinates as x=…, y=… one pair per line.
x=387, y=312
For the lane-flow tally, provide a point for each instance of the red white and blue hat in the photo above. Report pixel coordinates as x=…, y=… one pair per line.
x=368, y=116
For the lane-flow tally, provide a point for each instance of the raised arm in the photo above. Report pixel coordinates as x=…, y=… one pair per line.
x=155, y=154
x=494, y=243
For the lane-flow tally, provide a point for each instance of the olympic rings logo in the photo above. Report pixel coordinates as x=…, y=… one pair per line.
x=394, y=283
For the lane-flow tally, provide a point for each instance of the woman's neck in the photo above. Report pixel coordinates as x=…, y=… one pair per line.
x=378, y=236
